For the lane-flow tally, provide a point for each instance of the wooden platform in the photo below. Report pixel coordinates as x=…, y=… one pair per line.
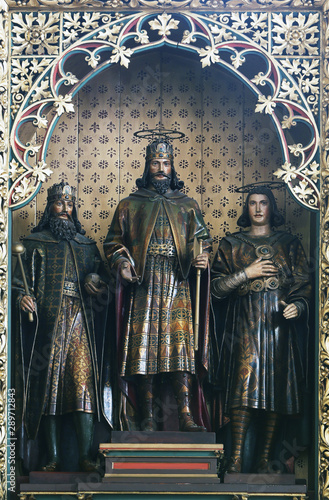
x=174, y=465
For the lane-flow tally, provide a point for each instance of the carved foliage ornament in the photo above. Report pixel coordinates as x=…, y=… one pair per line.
x=4, y=37
x=287, y=90
x=324, y=287
x=179, y=4
x=42, y=89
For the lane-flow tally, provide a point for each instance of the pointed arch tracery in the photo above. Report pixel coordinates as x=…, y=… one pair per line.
x=256, y=47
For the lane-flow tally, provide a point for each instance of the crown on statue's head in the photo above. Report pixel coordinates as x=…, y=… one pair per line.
x=159, y=149
x=61, y=191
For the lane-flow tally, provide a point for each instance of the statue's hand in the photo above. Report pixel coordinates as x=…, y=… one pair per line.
x=126, y=272
x=201, y=261
x=261, y=268
x=93, y=290
x=290, y=311
x=27, y=304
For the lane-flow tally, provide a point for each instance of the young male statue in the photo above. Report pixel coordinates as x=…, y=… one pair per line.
x=263, y=273
x=150, y=244
x=60, y=368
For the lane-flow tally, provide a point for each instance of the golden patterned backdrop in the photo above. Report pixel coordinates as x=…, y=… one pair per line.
x=226, y=144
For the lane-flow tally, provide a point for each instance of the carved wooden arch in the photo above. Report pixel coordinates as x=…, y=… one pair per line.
x=215, y=41
x=288, y=86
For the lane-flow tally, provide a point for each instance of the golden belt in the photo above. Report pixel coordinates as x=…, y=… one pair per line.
x=164, y=249
x=260, y=284
x=71, y=289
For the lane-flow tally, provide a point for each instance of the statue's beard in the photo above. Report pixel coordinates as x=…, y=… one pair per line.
x=161, y=186
x=61, y=228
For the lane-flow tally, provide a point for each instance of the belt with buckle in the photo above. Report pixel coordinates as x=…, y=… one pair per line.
x=164, y=249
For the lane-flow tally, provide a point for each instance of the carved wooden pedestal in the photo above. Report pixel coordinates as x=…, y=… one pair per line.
x=160, y=460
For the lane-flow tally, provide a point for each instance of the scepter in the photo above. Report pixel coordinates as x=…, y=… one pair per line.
x=197, y=250
x=18, y=249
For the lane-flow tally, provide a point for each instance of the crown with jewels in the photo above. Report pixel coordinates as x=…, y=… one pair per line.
x=160, y=146
x=61, y=191
x=159, y=149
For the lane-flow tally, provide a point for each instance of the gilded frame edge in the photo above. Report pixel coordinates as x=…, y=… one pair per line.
x=322, y=435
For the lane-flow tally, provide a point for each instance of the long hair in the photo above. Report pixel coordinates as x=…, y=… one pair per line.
x=44, y=221
x=143, y=181
x=276, y=218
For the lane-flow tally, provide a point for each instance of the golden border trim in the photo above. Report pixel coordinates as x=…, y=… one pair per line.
x=4, y=141
x=323, y=374
x=160, y=446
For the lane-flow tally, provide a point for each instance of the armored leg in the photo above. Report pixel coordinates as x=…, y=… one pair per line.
x=182, y=386
x=146, y=402
x=52, y=425
x=240, y=420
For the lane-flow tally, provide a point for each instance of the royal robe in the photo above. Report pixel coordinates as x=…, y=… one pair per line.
x=61, y=348
x=154, y=316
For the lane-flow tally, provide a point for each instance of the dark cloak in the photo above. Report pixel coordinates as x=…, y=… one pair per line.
x=44, y=264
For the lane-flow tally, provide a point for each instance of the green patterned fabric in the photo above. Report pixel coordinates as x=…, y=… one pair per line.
x=159, y=331
x=45, y=262
x=154, y=316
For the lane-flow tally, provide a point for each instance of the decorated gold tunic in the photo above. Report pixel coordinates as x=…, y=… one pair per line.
x=156, y=234
x=70, y=380
x=56, y=355
x=159, y=330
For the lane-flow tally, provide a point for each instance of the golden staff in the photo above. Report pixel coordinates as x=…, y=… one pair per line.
x=197, y=250
x=18, y=249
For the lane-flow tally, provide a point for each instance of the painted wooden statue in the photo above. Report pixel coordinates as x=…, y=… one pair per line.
x=58, y=349
x=150, y=244
x=263, y=274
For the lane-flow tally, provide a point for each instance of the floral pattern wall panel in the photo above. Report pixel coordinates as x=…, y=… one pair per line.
x=226, y=145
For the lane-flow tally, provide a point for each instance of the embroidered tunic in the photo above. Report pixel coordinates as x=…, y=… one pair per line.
x=159, y=331
x=57, y=360
x=156, y=334
x=70, y=380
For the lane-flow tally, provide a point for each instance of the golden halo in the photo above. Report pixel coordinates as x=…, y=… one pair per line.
x=269, y=185
x=162, y=133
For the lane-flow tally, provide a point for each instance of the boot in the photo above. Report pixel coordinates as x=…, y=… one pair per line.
x=240, y=420
x=182, y=386
x=51, y=425
x=271, y=426
x=146, y=398
x=84, y=425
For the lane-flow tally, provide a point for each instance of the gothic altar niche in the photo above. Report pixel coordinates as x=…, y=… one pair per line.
x=242, y=79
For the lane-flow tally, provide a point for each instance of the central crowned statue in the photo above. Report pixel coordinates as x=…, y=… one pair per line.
x=150, y=244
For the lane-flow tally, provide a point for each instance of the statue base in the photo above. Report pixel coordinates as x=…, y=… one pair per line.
x=169, y=457
x=176, y=465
